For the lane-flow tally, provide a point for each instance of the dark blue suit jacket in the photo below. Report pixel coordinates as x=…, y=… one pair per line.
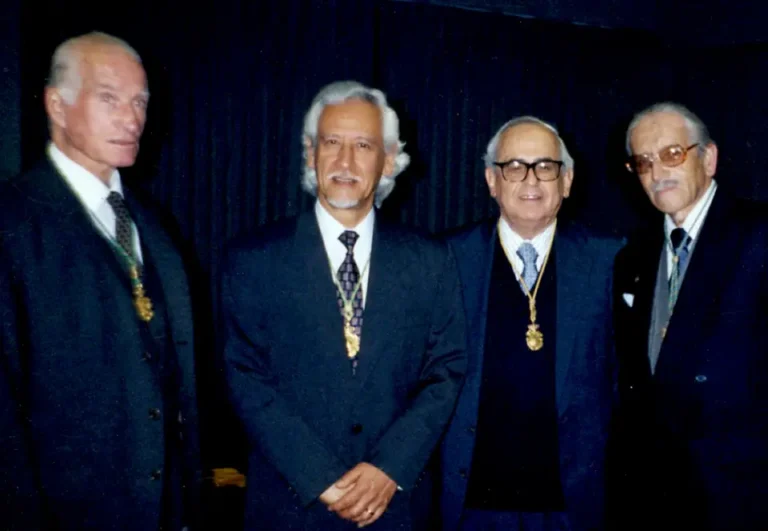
x=77, y=446
x=696, y=431
x=585, y=381
x=308, y=420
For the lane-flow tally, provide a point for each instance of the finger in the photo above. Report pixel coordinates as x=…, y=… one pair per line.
x=350, y=498
x=349, y=478
x=371, y=517
x=358, y=511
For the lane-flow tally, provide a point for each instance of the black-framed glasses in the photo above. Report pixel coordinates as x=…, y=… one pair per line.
x=516, y=170
x=669, y=156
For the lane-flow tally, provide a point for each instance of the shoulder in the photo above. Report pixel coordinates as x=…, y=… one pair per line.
x=468, y=236
x=268, y=241
x=595, y=239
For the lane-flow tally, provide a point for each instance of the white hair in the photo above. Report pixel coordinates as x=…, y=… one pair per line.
x=65, y=65
x=493, y=146
x=341, y=92
x=697, y=131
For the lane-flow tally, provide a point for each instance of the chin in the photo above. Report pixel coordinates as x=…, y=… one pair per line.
x=343, y=204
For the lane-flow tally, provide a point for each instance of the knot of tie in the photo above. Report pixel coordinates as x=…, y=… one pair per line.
x=349, y=239
x=679, y=239
x=527, y=253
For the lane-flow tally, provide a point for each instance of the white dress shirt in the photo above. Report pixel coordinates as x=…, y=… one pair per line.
x=692, y=223
x=512, y=241
x=331, y=229
x=92, y=193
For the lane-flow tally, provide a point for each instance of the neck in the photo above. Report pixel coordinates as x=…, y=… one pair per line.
x=102, y=171
x=528, y=232
x=680, y=216
x=349, y=217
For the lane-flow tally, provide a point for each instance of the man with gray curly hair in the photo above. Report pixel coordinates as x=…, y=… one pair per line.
x=345, y=337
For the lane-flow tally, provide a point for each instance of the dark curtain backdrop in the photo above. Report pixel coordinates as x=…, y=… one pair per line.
x=231, y=80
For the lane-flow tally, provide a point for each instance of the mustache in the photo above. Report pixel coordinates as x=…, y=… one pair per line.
x=344, y=175
x=662, y=185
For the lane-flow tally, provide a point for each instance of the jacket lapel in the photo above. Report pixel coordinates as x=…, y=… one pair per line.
x=710, y=266
x=574, y=286
x=386, y=289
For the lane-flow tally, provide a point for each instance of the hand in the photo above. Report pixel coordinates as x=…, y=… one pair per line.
x=370, y=494
x=333, y=494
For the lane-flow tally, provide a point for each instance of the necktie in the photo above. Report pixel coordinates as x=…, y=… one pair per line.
x=349, y=277
x=680, y=241
x=527, y=253
x=123, y=224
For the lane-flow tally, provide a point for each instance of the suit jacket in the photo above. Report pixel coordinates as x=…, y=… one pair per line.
x=697, y=429
x=585, y=380
x=78, y=446
x=307, y=418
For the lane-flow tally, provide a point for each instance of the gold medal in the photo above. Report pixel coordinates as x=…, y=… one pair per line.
x=534, y=338
x=141, y=302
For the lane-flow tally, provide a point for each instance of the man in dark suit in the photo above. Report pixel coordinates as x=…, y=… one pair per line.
x=97, y=391
x=345, y=337
x=526, y=446
x=693, y=338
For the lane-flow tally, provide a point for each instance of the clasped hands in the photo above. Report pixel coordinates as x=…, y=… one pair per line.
x=361, y=495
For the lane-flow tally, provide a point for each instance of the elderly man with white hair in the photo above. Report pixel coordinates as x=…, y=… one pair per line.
x=344, y=337
x=526, y=447
x=98, y=408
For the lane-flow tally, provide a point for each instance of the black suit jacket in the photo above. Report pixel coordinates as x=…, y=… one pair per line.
x=307, y=418
x=78, y=445
x=697, y=429
x=585, y=367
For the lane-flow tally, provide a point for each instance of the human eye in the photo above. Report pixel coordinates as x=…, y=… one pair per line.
x=106, y=97
x=362, y=144
x=141, y=103
x=545, y=165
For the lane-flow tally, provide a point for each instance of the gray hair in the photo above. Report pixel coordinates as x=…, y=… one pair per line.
x=341, y=92
x=65, y=65
x=697, y=131
x=493, y=145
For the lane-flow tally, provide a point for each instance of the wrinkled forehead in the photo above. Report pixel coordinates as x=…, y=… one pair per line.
x=113, y=66
x=659, y=130
x=527, y=142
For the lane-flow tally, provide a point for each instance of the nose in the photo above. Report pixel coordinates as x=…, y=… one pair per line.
x=530, y=176
x=345, y=156
x=130, y=119
x=658, y=171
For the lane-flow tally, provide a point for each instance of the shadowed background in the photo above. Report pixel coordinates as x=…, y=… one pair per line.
x=231, y=80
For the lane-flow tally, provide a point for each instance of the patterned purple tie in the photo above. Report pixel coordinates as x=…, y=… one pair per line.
x=349, y=276
x=123, y=223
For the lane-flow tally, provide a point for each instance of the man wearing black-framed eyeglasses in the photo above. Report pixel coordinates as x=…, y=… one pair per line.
x=526, y=446
x=693, y=338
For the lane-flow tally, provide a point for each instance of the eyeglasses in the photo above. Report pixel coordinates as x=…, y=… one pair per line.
x=669, y=156
x=516, y=170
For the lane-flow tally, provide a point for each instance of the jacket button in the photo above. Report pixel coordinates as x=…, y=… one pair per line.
x=146, y=356
x=357, y=429
x=154, y=413
x=700, y=378
x=463, y=473
x=472, y=429
x=156, y=474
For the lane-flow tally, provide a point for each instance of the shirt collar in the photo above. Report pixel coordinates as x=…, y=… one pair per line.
x=331, y=229
x=695, y=218
x=512, y=240
x=90, y=189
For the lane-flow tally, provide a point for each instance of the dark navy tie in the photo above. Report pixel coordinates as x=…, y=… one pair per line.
x=123, y=223
x=680, y=241
x=349, y=277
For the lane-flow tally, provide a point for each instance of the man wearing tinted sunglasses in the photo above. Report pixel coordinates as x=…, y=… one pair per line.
x=693, y=337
